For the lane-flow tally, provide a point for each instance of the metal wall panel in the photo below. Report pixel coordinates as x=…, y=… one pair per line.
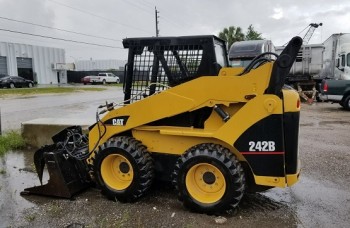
x=42, y=60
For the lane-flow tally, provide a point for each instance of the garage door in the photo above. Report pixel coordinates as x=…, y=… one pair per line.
x=25, y=67
x=24, y=63
x=3, y=65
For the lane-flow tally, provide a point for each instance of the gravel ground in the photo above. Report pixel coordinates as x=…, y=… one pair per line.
x=320, y=199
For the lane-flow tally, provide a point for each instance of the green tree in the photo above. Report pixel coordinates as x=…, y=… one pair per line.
x=252, y=34
x=232, y=34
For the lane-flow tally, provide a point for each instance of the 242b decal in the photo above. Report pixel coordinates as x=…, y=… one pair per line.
x=262, y=146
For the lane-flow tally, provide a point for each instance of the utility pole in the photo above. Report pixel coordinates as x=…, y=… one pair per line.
x=157, y=22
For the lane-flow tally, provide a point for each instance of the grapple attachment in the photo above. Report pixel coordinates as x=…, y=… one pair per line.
x=65, y=161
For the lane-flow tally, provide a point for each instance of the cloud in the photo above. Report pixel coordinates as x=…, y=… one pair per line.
x=278, y=13
x=276, y=20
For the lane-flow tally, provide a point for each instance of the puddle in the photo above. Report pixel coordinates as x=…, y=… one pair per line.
x=26, y=97
x=321, y=123
x=258, y=202
x=17, y=173
x=316, y=203
x=307, y=124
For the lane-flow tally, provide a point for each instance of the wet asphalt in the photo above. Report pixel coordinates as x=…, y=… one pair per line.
x=18, y=109
x=321, y=198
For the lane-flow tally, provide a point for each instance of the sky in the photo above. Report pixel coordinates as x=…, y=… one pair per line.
x=110, y=21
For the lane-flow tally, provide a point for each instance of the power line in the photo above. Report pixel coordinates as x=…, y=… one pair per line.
x=147, y=4
x=95, y=15
x=172, y=22
x=137, y=6
x=169, y=18
x=157, y=12
x=59, y=29
x=150, y=5
x=56, y=38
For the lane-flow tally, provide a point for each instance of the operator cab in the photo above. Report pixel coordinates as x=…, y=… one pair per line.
x=156, y=63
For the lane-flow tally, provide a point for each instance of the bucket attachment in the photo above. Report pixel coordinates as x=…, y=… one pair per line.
x=67, y=169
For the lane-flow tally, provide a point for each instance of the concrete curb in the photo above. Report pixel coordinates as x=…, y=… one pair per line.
x=38, y=132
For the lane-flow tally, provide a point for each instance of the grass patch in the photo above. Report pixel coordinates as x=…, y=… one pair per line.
x=10, y=141
x=123, y=220
x=55, y=208
x=30, y=218
x=114, y=84
x=33, y=91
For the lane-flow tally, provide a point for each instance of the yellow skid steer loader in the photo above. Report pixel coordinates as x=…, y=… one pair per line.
x=215, y=132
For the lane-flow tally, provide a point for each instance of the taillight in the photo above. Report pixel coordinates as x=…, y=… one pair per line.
x=325, y=87
x=298, y=103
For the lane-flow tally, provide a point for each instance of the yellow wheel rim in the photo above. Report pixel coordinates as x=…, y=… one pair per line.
x=205, y=183
x=117, y=172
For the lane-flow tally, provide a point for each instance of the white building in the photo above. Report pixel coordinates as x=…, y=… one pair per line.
x=45, y=65
x=108, y=64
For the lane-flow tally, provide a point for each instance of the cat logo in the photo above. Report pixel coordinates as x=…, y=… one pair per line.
x=118, y=122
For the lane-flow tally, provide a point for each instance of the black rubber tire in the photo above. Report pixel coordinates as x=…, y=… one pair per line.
x=139, y=158
x=346, y=103
x=30, y=85
x=104, y=82
x=12, y=86
x=224, y=160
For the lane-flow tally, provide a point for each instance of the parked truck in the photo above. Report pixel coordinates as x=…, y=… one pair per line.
x=337, y=91
x=307, y=65
x=243, y=52
x=102, y=78
x=315, y=62
x=305, y=73
x=336, y=57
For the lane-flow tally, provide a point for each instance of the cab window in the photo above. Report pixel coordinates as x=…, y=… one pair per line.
x=220, y=55
x=348, y=59
x=342, y=60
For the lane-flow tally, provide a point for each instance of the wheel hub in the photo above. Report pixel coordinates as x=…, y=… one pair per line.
x=205, y=183
x=124, y=167
x=117, y=172
x=209, y=178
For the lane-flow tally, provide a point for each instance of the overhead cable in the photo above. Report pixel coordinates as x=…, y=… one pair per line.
x=95, y=15
x=56, y=38
x=59, y=29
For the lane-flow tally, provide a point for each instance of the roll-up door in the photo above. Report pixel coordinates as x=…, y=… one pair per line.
x=25, y=67
x=3, y=65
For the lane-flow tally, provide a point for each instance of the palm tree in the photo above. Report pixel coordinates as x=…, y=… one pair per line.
x=232, y=34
